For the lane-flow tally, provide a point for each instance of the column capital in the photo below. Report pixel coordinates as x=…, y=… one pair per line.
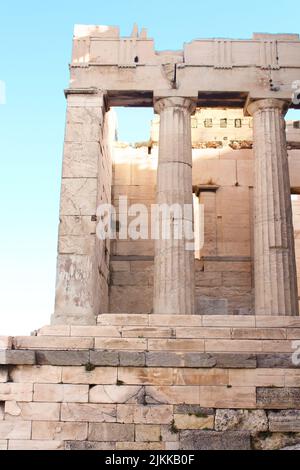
x=268, y=103
x=175, y=102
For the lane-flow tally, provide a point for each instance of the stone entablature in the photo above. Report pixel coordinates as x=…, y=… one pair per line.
x=215, y=72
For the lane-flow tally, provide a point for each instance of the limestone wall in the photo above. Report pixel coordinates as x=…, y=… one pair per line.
x=152, y=382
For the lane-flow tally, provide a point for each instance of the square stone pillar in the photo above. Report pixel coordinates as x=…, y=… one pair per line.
x=274, y=251
x=83, y=260
x=174, y=286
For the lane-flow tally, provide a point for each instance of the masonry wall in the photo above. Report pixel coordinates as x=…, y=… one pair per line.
x=223, y=179
x=152, y=382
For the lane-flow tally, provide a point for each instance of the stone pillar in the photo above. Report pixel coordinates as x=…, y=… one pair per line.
x=83, y=260
x=274, y=252
x=174, y=287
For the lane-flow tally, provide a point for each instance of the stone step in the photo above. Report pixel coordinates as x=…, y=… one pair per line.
x=161, y=332
x=200, y=345
x=251, y=321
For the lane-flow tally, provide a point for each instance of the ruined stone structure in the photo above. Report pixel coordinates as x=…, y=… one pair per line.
x=199, y=350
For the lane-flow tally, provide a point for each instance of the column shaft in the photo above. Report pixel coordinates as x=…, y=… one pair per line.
x=274, y=252
x=174, y=262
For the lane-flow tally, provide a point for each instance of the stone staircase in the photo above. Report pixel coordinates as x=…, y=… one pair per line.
x=153, y=382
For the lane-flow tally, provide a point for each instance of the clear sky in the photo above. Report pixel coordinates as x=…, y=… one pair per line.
x=35, y=49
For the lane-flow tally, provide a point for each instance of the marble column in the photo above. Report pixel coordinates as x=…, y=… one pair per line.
x=174, y=286
x=274, y=251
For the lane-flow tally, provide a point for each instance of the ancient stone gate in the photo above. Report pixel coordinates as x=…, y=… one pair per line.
x=170, y=379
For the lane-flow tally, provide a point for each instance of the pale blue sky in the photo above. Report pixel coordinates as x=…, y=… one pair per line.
x=35, y=49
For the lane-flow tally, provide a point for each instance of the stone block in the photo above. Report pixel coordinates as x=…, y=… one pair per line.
x=80, y=160
x=199, y=360
x=78, y=196
x=175, y=320
x=62, y=358
x=52, y=342
x=132, y=359
x=93, y=413
x=79, y=375
x=246, y=321
x=121, y=343
x=32, y=411
x=131, y=298
x=16, y=391
x=257, y=377
x=274, y=441
x=272, y=346
x=164, y=359
x=36, y=374
x=193, y=410
x=210, y=306
x=227, y=397
x=293, y=333
x=201, y=332
x=258, y=333
x=208, y=279
x=278, y=398
x=201, y=376
x=104, y=358
x=69, y=244
x=224, y=345
x=131, y=278
x=147, y=432
x=275, y=360
x=220, y=172
x=284, y=421
x=142, y=414
x=236, y=279
x=21, y=444
x=147, y=332
x=123, y=319
x=172, y=394
x=140, y=446
x=101, y=331
x=111, y=432
x=292, y=377
x=176, y=345
x=61, y=393
x=59, y=431
x=252, y=421
x=76, y=225
x=168, y=434
x=54, y=330
x=276, y=321
x=15, y=429
x=235, y=360
x=15, y=357
x=211, y=440
x=116, y=394
x=145, y=376
x=182, y=421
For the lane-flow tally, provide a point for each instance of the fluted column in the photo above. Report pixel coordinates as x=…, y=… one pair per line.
x=274, y=251
x=174, y=286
